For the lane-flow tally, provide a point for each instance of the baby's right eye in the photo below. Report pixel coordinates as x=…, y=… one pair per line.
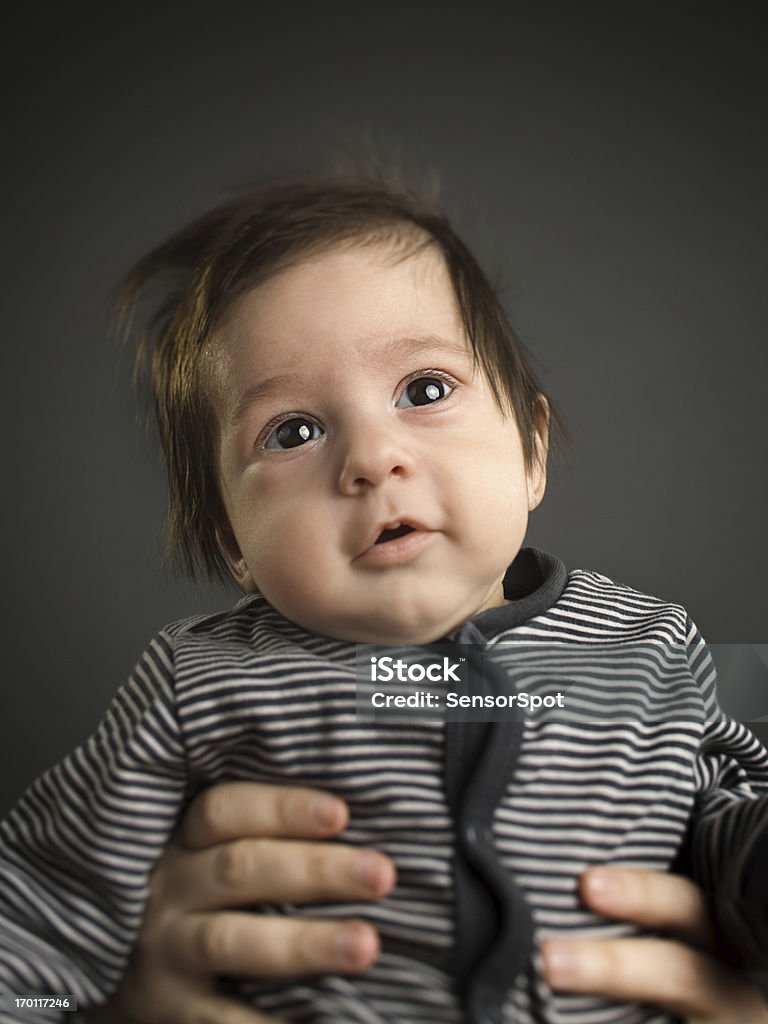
x=292, y=433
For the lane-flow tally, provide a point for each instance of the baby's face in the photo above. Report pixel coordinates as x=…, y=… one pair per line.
x=375, y=491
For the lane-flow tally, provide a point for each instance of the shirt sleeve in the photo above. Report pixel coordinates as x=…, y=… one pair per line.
x=728, y=846
x=77, y=850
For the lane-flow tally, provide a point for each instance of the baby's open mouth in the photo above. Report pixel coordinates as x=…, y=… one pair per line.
x=397, y=542
x=393, y=532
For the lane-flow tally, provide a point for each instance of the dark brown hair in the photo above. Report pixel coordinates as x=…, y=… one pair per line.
x=205, y=268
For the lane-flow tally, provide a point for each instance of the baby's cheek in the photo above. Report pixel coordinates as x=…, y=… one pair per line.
x=499, y=520
x=294, y=562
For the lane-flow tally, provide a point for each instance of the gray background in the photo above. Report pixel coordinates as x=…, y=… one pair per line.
x=608, y=163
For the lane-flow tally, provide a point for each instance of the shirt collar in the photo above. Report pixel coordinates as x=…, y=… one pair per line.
x=532, y=584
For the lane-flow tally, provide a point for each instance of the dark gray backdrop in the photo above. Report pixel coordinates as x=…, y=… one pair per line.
x=608, y=163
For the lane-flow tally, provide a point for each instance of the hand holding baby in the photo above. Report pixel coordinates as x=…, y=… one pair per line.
x=244, y=843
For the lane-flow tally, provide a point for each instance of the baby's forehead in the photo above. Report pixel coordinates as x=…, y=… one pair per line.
x=350, y=304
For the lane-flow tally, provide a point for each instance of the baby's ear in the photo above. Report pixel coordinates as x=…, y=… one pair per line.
x=230, y=549
x=537, y=472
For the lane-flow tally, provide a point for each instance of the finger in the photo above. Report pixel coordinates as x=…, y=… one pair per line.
x=235, y=809
x=267, y=870
x=655, y=900
x=659, y=971
x=273, y=947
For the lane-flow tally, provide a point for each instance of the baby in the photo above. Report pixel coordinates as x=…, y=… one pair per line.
x=351, y=430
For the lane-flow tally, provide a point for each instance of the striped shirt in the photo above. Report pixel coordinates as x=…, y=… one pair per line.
x=486, y=822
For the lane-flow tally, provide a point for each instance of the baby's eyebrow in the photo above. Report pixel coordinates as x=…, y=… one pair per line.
x=263, y=389
x=412, y=346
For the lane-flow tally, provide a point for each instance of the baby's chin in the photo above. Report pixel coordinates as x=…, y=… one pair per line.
x=397, y=630
x=394, y=637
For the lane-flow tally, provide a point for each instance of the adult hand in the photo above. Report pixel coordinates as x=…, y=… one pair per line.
x=678, y=974
x=244, y=843
x=241, y=844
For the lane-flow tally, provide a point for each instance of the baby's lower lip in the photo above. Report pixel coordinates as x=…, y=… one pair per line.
x=399, y=550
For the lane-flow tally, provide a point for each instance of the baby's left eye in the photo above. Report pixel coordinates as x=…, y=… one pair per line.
x=423, y=391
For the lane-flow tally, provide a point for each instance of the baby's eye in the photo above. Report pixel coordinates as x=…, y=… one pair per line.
x=292, y=433
x=424, y=391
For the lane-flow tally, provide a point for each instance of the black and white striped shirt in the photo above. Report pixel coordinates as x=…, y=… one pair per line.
x=246, y=694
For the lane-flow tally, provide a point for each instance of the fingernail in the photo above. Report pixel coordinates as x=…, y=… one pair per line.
x=348, y=946
x=559, y=962
x=368, y=870
x=602, y=886
x=328, y=813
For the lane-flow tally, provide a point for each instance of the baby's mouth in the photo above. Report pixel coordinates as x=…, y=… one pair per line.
x=393, y=532
x=395, y=543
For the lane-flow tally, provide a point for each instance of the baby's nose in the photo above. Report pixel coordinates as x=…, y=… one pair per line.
x=372, y=459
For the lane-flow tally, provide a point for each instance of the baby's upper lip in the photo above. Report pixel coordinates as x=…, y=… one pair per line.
x=391, y=524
